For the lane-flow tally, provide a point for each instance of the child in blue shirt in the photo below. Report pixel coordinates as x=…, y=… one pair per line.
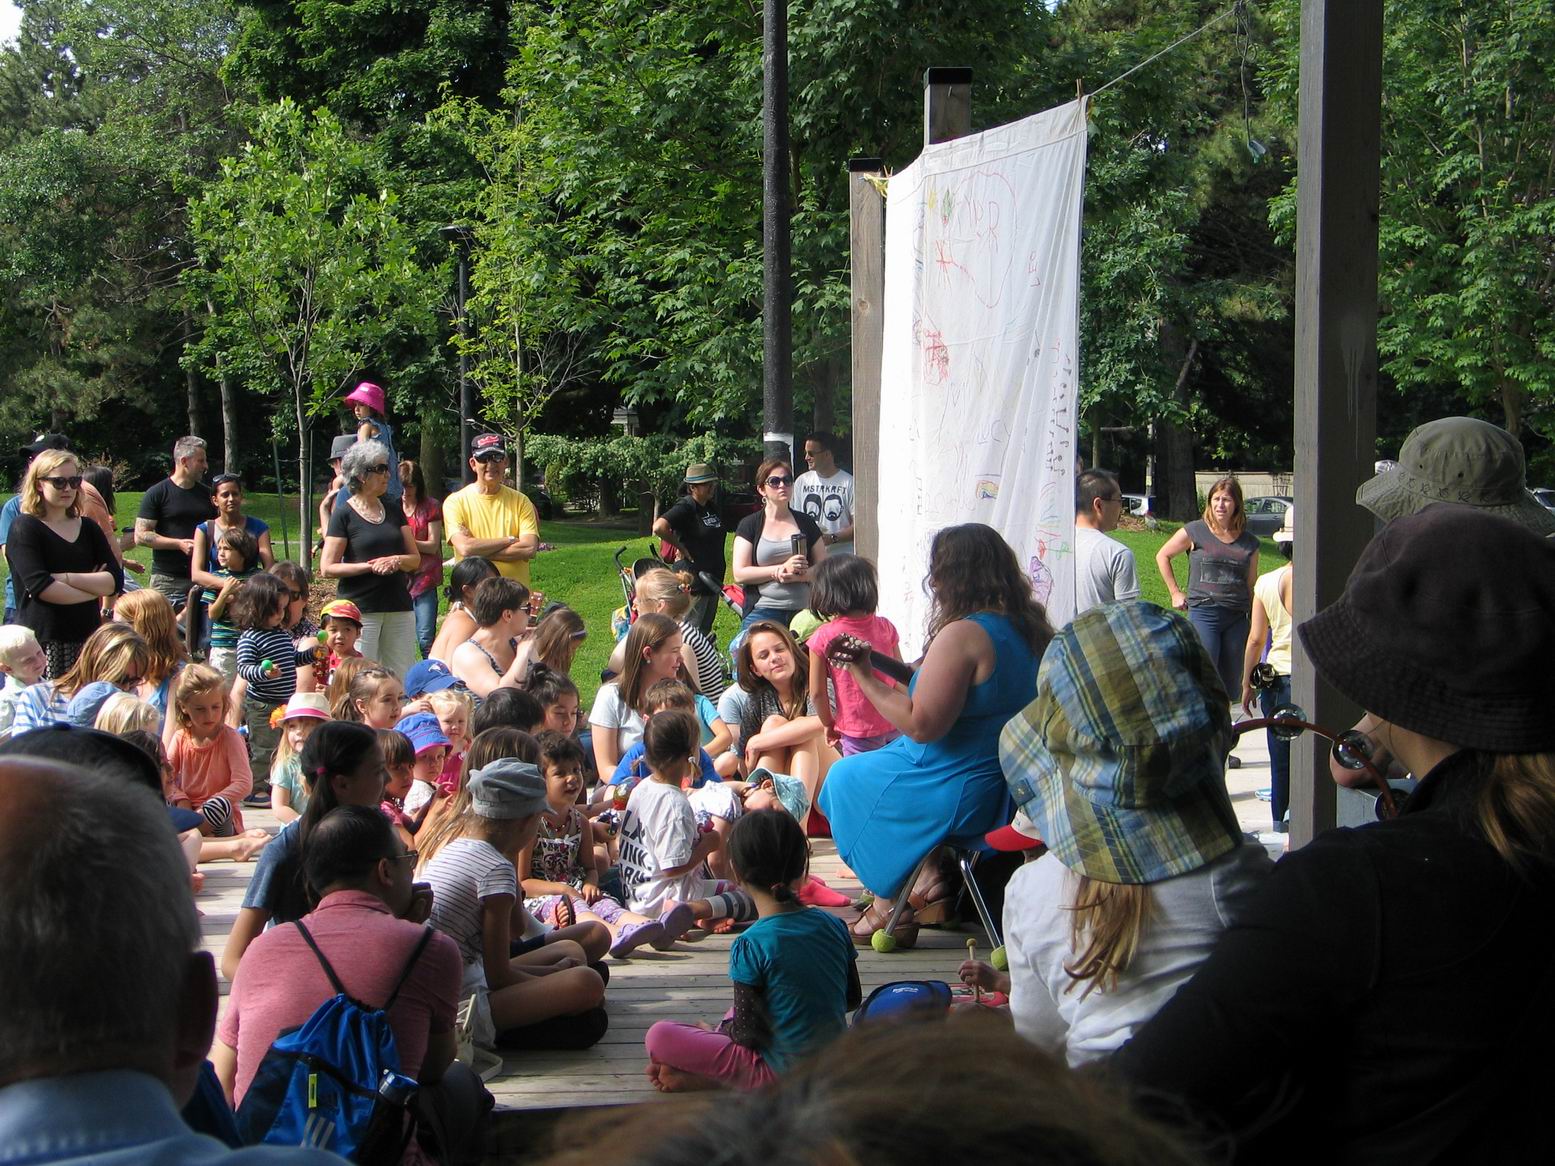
x=795, y=974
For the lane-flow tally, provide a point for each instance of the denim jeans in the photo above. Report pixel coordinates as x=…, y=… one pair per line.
x=425, y=607
x=1224, y=632
x=1279, y=752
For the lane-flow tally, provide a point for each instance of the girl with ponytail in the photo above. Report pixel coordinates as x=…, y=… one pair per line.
x=794, y=970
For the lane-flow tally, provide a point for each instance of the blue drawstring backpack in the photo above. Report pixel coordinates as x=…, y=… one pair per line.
x=318, y=1084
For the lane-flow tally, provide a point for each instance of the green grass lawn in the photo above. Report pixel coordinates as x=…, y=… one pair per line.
x=581, y=573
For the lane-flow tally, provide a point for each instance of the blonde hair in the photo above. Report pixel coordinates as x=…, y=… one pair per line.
x=14, y=640
x=448, y=699
x=1105, y=930
x=43, y=466
x=150, y=614
x=338, y=691
x=108, y=654
x=123, y=713
x=196, y=680
x=1515, y=808
x=1233, y=487
x=671, y=590
x=556, y=640
x=283, y=745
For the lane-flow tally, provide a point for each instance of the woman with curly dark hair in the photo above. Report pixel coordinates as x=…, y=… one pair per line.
x=940, y=781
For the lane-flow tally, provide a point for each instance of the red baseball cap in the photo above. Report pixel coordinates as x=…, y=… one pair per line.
x=1021, y=834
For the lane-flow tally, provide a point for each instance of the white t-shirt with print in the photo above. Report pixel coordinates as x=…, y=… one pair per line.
x=829, y=501
x=658, y=832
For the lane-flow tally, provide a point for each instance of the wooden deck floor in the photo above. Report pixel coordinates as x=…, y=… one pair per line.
x=689, y=983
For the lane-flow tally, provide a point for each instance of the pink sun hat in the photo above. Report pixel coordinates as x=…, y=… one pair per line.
x=367, y=394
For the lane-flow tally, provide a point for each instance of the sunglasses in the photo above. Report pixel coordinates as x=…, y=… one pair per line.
x=380, y=468
x=486, y=459
x=71, y=483
x=779, y=480
x=223, y=479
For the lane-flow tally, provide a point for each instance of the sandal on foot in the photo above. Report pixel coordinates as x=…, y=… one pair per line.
x=872, y=920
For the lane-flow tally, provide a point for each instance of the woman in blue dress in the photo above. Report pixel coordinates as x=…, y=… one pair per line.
x=940, y=781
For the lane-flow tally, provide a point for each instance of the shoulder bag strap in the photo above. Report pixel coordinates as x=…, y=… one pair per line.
x=421, y=946
x=334, y=980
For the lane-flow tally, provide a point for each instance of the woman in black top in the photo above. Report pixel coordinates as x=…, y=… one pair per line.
x=776, y=578
x=62, y=564
x=372, y=551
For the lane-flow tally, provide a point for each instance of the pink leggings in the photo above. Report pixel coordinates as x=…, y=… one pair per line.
x=707, y=1054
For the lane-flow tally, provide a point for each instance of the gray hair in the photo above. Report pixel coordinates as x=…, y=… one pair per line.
x=187, y=447
x=353, y=466
x=97, y=922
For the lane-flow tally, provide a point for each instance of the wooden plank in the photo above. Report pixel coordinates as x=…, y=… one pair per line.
x=689, y=983
x=1336, y=349
x=866, y=249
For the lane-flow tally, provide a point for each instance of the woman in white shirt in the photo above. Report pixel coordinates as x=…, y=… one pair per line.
x=652, y=653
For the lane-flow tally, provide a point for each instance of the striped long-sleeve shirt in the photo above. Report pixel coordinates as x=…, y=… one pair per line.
x=255, y=646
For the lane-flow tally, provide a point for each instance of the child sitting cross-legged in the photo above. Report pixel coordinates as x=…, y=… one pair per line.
x=558, y=868
x=209, y=765
x=794, y=970
x=662, y=851
x=534, y=1000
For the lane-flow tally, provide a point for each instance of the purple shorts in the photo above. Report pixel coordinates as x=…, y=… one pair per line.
x=852, y=745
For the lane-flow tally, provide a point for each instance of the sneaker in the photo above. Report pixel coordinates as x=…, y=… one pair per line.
x=678, y=920
x=634, y=935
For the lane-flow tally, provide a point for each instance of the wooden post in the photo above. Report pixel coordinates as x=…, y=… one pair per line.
x=866, y=247
x=947, y=104
x=777, y=388
x=1336, y=349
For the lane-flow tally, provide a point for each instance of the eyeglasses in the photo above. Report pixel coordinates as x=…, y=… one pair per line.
x=71, y=483
x=779, y=480
x=380, y=468
x=409, y=856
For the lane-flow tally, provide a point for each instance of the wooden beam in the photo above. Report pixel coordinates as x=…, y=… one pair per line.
x=1339, y=154
x=866, y=247
x=947, y=104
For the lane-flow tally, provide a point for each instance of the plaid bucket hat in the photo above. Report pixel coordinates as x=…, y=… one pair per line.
x=1120, y=760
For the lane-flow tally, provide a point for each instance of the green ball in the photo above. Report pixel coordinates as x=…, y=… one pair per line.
x=883, y=942
x=999, y=960
x=266, y=665
x=323, y=636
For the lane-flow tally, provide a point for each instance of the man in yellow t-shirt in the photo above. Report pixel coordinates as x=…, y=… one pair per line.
x=491, y=519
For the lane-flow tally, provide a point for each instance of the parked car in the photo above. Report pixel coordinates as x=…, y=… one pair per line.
x=1138, y=504
x=1544, y=496
x=1266, y=515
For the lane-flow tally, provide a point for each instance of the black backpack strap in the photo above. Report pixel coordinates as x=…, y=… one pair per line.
x=421, y=946
x=334, y=980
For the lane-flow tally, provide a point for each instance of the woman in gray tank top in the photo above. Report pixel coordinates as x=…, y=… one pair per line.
x=774, y=572
x=1222, y=566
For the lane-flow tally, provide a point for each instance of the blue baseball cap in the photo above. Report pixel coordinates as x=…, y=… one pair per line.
x=428, y=676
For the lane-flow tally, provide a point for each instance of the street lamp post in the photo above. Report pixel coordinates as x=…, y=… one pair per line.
x=462, y=236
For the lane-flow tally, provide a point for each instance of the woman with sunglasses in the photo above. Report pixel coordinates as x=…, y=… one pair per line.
x=114, y=653
x=63, y=565
x=372, y=551
x=1377, y=1000
x=227, y=495
x=767, y=563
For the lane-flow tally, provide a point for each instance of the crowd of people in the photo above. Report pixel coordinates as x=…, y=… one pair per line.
x=467, y=848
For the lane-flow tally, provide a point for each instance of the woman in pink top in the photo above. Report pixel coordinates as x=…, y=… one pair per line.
x=847, y=592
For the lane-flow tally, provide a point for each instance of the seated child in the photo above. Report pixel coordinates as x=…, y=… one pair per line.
x=399, y=764
x=305, y=712
x=795, y=974
x=528, y=999
x=22, y=662
x=845, y=589
x=453, y=709
x=209, y=765
x=558, y=867
x=662, y=851
x=431, y=747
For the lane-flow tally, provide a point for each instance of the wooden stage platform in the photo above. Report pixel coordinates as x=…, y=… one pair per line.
x=689, y=983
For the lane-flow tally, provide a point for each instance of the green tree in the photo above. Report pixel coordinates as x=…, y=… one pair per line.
x=311, y=273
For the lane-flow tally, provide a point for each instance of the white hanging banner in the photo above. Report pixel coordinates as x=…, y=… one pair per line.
x=979, y=379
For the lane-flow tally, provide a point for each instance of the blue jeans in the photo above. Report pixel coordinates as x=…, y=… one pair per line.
x=1279, y=752
x=1224, y=632
x=425, y=607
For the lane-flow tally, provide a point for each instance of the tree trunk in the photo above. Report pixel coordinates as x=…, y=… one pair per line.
x=518, y=461
x=1512, y=406
x=434, y=467
x=1181, y=497
x=304, y=495
x=823, y=408
x=232, y=460
x=192, y=383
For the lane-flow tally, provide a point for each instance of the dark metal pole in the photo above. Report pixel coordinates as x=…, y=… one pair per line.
x=777, y=305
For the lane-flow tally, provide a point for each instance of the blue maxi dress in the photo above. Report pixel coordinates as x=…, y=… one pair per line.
x=888, y=808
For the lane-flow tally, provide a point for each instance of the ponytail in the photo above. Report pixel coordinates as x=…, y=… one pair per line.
x=1515, y=809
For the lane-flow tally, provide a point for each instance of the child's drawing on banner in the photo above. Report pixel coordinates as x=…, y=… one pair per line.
x=980, y=379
